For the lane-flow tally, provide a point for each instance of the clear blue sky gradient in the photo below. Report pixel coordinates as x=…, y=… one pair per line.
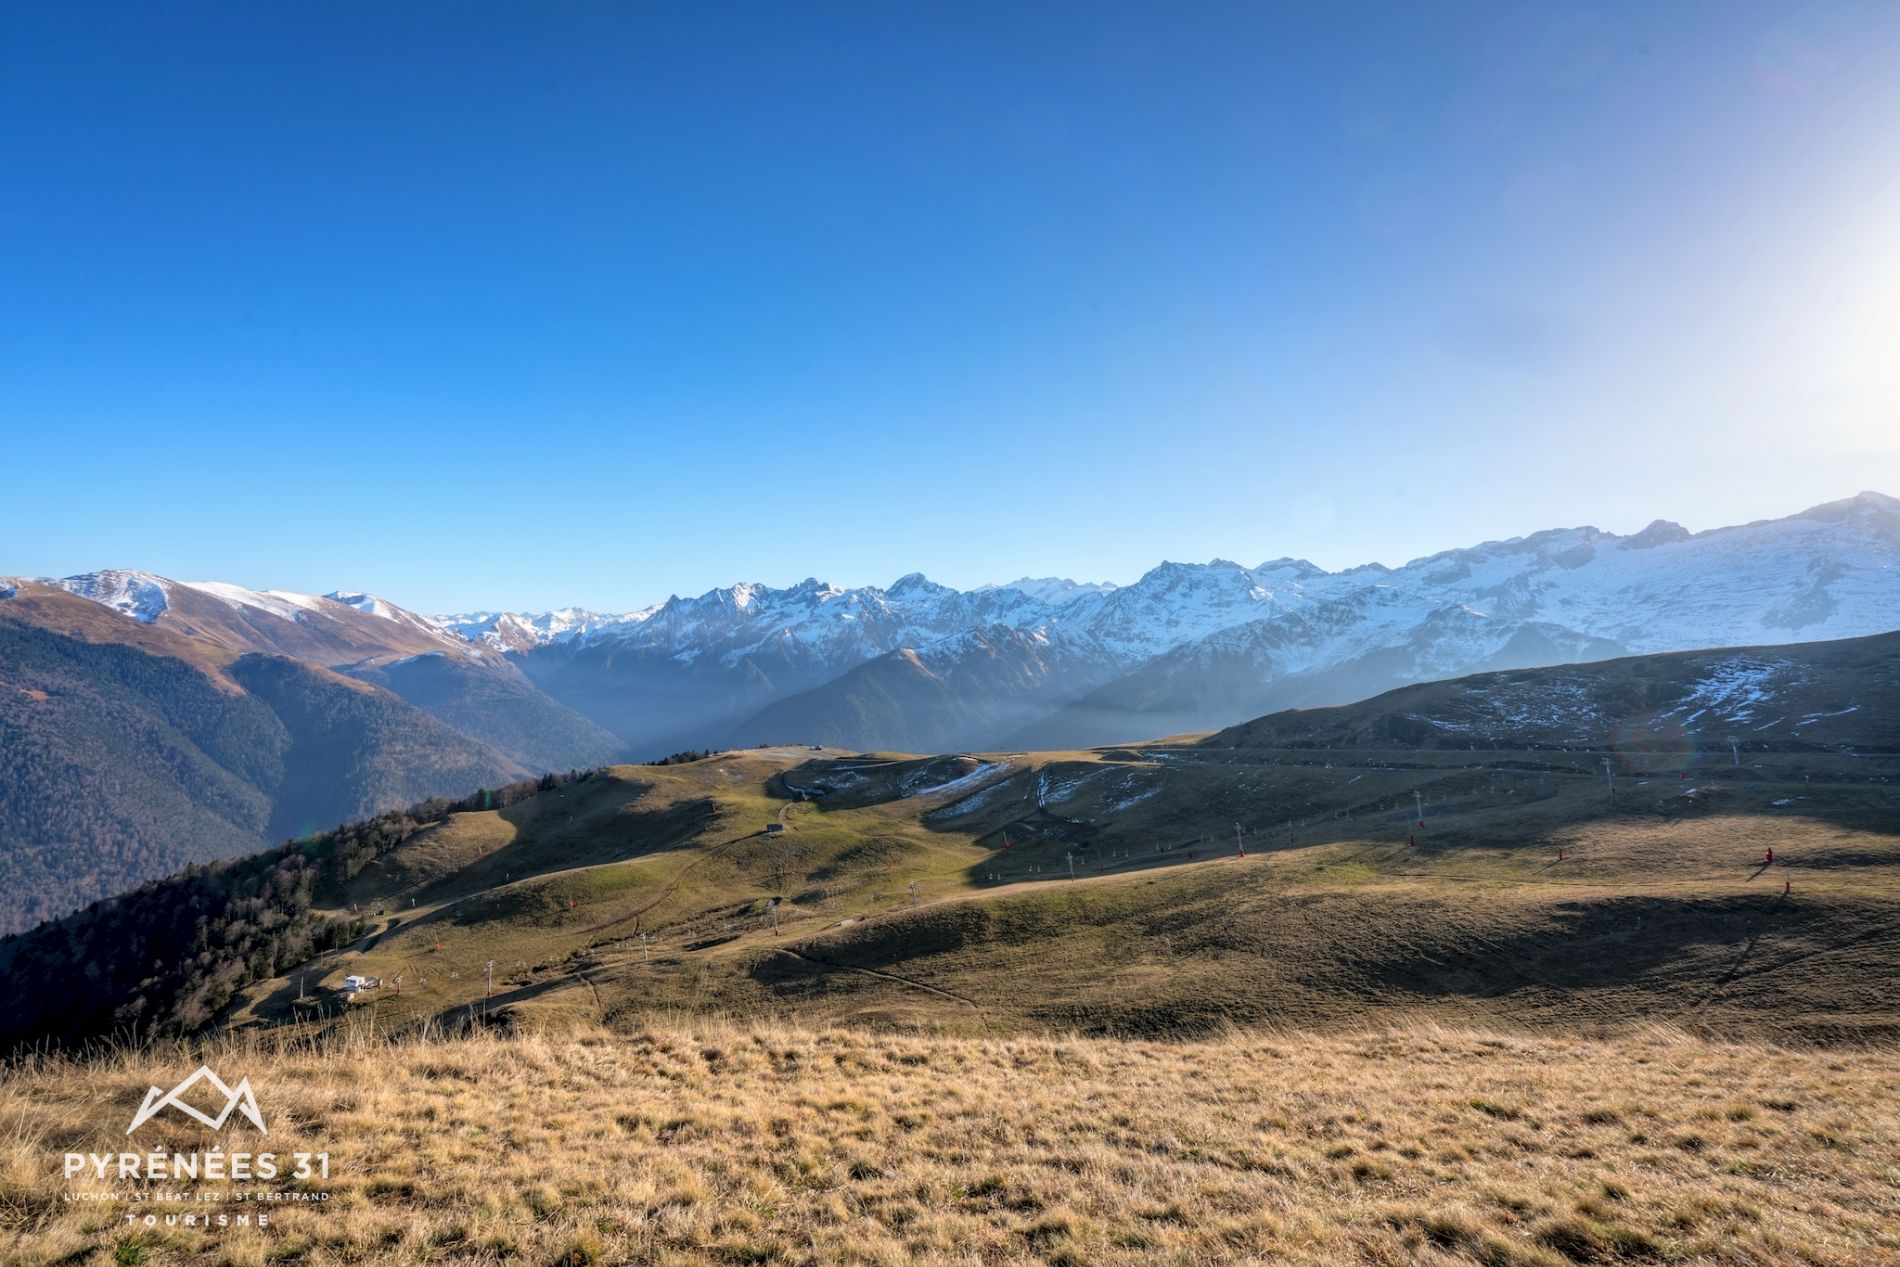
x=527, y=305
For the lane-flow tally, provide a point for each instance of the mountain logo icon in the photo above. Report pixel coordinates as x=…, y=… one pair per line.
x=237, y=1098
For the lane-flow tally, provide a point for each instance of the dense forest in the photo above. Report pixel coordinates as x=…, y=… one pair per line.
x=164, y=958
x=118, y=765
x=355, y=750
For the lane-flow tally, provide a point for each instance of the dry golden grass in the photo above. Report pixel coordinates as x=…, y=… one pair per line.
x=695, y=1141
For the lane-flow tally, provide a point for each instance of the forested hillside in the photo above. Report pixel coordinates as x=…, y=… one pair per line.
x=496, y=705
x=355, y=750
x=118, y=765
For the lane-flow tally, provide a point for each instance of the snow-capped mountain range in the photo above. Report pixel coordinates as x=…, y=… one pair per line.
x=1187, y=646
x=1648, y=591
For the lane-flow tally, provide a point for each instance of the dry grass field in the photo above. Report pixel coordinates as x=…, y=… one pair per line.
x=700, y=1141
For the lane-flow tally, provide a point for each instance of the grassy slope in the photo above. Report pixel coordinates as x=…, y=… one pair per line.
x=708, y=1142
x=1837, y=694
x=1659, y=908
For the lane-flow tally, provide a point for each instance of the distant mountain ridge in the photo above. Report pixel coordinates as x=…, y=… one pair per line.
x=1194, y=646
x=472, y=687
x=1055, y=663
x=333, y=629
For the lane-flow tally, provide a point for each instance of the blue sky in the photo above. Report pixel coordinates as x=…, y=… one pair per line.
x=528, y=305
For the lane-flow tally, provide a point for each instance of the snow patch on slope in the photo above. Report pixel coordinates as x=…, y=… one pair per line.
x=139, y=595
x=1734, y=689
x=963, y=783
x=1132, y=789
x=973, y=802
x=1059, y=791
x=370, y=605
x=281, y=603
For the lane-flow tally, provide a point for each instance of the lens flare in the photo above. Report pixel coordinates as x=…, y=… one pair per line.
x=1657, y=742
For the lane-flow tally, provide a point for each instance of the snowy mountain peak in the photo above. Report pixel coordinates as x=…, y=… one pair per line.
x=340, y=629
x=1053, y=590
x=813, y=587
x=145, y=597
x=370, y=605
x=1660, y=532
x=139, y=595
x=1577, y=586
x=1169, y=572
x=383, y=609
x=915, y=585
x=1874, y=510
x=742, y=597
x=1299, y=569
x=283, y=603
x=523, y=631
